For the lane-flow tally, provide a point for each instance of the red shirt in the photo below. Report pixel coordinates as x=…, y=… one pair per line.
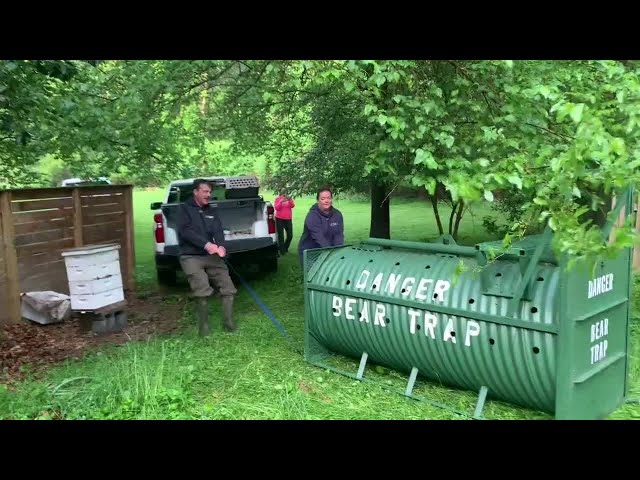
x=283, y=207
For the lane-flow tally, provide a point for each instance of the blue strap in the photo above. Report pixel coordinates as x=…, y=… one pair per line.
x=258, y=301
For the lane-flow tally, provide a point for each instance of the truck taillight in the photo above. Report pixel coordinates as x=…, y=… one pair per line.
x=159, y=230
x=270, y=220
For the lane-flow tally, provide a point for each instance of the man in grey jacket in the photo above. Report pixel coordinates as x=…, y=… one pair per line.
x=201, y=242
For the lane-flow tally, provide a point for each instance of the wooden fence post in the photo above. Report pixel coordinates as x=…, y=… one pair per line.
x=77, y=218
x=10, y=258
x=130, y=260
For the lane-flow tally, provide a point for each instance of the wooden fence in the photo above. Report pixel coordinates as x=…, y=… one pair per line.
x=37, y=224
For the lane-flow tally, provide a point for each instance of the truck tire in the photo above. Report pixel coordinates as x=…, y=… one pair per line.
x=167, y=277
x=270, y=265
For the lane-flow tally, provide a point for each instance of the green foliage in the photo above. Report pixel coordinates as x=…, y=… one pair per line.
x=563, y=135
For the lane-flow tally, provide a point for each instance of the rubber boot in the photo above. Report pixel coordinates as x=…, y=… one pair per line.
x=227, y=314
x=203, y=316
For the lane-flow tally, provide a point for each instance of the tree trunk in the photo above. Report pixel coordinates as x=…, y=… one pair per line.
x=436, y=213
x=454, y=207
x=459, y=214
x=204, y=100
x=380, y=226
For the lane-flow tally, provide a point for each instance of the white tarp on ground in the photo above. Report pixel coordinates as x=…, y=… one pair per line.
x=45, y=307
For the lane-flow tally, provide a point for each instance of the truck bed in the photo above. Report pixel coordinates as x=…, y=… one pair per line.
x=243, y=220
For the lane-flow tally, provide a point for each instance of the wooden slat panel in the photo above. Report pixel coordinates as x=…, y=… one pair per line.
x=44, y=236
x=100, y=233
x=36, y=227
x=102, y=191
x=41, y=193
x=41, y=204
x=51, y=268
x=40, y=217
x=41, y=260
x=55, y=280
x=119, y=224
x=102, y=218
x=105, y=208
x=116, y=200
x=44, y=247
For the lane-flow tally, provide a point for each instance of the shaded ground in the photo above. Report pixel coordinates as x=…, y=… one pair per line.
x=40, y=346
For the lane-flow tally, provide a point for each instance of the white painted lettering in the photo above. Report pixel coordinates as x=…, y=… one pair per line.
x=392, y=282
x=407, y=285
x=422, y=288
x=337, y=306
x=362, y=281
x=473, y=330
x=377, y=282
x=414, y=314
x=348, y=308
x=600, y=285
x=380, y=314
x=599, y=330
x=364, y=313
x=441, y=287
x=448, y=332
x=599, y=351
x=430, y=323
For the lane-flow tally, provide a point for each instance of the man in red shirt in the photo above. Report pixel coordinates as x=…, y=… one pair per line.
x=283, y=205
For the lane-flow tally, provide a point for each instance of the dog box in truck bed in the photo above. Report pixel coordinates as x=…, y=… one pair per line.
x=247, y=219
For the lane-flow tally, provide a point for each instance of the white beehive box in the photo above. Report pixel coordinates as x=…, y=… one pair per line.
x=94, y=276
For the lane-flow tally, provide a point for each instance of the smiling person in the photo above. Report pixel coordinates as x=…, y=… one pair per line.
x=201, y=241
x=323, y=226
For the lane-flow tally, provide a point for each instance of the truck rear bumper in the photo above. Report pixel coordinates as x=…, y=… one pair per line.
x=241, y=252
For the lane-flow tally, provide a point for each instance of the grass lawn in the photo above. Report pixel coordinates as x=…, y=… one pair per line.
x=254, y=373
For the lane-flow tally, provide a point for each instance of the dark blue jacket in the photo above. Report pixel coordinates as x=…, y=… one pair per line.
x=322, y=229
x=196, y=226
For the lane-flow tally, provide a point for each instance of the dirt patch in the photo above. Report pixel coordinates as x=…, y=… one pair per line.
x=41, y=346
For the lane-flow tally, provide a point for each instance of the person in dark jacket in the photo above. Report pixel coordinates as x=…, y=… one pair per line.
x=323, y=226
x=202, y=249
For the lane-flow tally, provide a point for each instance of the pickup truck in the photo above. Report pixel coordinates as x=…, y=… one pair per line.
x=247, y=219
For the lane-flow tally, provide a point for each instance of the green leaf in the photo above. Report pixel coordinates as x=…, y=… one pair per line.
x=449, y=141
x=425, y=157
x=617, y=146
x=515, y=180
x=576, y=192
x=576, y=112
x=488, y=195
